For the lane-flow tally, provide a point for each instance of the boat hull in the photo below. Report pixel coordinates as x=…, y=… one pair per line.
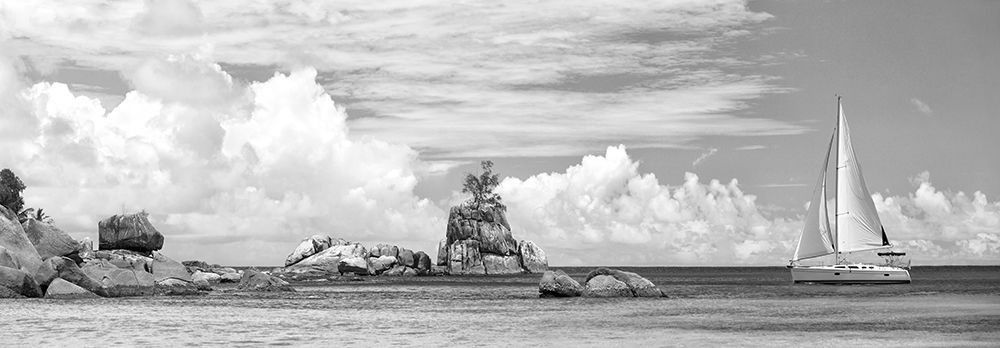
x=850, y=274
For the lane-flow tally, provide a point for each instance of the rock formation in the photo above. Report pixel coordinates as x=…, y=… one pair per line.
x=129, y=232
x=49, y=240
x=601, y=282
x=479, y=241
x=19, y=249
x=64, y=290
x=256, y=281
x=325, y=257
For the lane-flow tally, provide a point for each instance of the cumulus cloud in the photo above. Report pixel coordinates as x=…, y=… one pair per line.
x=603, y=211
x=921, y=106
x=239, y=184
x=189, y=79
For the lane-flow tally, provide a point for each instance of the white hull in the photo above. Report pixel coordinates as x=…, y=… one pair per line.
x=850, y=274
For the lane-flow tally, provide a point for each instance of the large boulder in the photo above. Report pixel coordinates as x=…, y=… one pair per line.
x=405, y=257
x=636, y=284
x=329, y=259
x=496, y=239
x=130, y=232
x=165, y=267
x=256, y=281
x=382, y=263
x=388, y=250
x=19, y=282
x=19, y=247
x=423, y=261
x=174, y=286
x=606, y=286
x=401, y=270
x=49, y=240
x=442, y=256
x=357, y=265
x=120, y=281
x=64, y=290
x=8, y=260
x=308, y=247
x=207, y=277
x=66, y=269
x=532, y=257
x=558, y=284
x=499, y=264
x=465, y=258
x=231, y=277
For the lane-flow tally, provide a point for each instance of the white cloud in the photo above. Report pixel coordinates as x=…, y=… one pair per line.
x=921, y=106
x=219, y=180
x=440, y=78
x=704, y=156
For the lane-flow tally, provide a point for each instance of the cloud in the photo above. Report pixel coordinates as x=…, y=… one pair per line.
x=602, y=211
x=704, y=156
x=189, y=79
x=921, y=106
x=225, y=183
x=443, y=80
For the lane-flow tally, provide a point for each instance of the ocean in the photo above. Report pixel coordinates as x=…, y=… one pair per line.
x=708, y=306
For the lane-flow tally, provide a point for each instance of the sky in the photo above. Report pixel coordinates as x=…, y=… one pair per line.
x=627, y=133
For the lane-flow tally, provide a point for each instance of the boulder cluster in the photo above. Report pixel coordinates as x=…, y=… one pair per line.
x=37, y=259
x=322, y=256
x=601, y=282
x=479, y=241
x=204, y=275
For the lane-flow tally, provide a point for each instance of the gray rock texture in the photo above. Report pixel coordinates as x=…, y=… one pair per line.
x=558, y=284
x=129, y=232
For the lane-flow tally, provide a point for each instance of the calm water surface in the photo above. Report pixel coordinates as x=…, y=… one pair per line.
x=733, y=306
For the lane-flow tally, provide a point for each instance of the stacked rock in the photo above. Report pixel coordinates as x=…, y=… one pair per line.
x=479, y=241
x=320, y=256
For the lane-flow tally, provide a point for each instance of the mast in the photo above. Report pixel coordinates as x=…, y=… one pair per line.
x=836, y=190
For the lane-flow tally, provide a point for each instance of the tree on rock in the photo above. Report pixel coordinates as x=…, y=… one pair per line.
x=481, y=187
x=10, y=191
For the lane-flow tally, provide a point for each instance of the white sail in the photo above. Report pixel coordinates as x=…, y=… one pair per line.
x=858, y=225
x=816, y=239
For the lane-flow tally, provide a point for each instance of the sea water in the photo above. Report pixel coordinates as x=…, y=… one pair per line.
x=708, y=306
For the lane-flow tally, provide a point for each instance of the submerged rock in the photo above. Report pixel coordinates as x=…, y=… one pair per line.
x=606, y=286
x=129, y=232
x=64, y=290
x=257, y=281
x=558, y=284
x=637, y=285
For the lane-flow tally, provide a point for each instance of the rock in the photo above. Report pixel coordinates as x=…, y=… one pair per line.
x=129, y=232
x=499, y=264
x=465, y=258
x=127, y=259
x=223, y=270
x=86, y=249
x=409, y=272
x=558, y=284
x=208, y=277
x=231, y=277
x=257, y=281
x=47, y=272
x=67, y=270
x=20, y=249
x=8, y=293
x=423, y=261
x=405, y=257
x=375, y=252
x=165, y=267
x=382, y=263
x=8, y=260
x=49, y=240
x=637, y=285
x=442, y=257
x=389, y=250
x=19, y=282
x=120, y=281
x=496, y=239
x=532, y=257
x=606, y=286
x=174, y=286
x=202, y=284
x=64, y=290
x=202, y=265
x=357, y=265
x=308, y=247
x=401, y=270
x=329, y=259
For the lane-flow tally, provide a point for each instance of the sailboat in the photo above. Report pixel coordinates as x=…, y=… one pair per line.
x=857, y=226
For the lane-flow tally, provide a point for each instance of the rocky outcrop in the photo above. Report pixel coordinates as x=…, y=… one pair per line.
x=257, y=281
x=405, y=257
x=19, y=282
x=49, y=240
x=558, y=284
x=346, y=258
x=356, y=265
x=19, y=248
x=606, y=286
x=423, y=262
x=164, y=268
x=639, y=286
x=120, y=282
x=67, y=270
x=129, y=232
x=329, y=258
x=308, y=247
x=382, y=263
x=206, y=277
x=174, y=287
x=64, y=290
x=479, y=241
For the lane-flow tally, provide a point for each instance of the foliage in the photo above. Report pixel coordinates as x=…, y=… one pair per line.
x=10, y=191
x=32, y=213
x=481, y=187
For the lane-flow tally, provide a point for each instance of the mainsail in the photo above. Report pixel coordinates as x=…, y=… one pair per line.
x=858, y=225
x=816, y=239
